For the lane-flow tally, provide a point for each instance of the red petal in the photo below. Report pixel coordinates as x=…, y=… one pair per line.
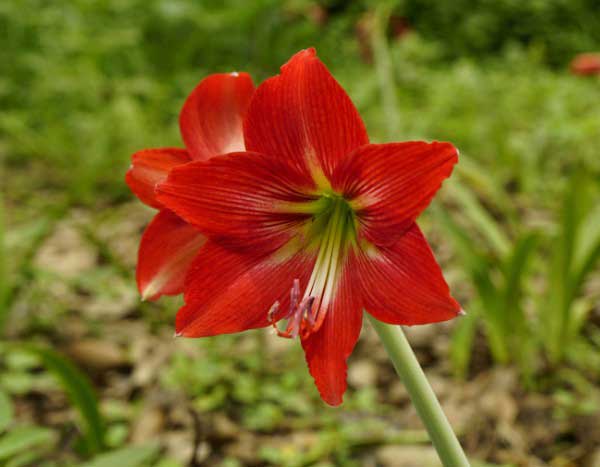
x=240, y=197
x=403, y=284
x=226, y=292
x=586, y=64
x=151, y=166
x=391, y=184
x=211, y=118
x=328, y=349
x=304, y=115
x=166, y=251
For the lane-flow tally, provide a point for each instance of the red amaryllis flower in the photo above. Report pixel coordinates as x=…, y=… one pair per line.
x=211, y=124
x=311, y=225
x=586, y=64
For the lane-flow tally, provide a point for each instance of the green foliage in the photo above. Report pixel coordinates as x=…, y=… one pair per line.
x=20, y=444
x=21, y=439
x=498, y=279
x=556, y=314
x=480, y=28
x=81, y=395
x=133, y=456
x=4, y=285
x=6, y=411
x=575, y=252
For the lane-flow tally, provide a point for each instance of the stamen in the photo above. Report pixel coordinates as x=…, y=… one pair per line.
x=300, y=316
x=305, y=317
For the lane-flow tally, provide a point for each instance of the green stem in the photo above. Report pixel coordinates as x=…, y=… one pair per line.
x=385, y=69
x=429, y=409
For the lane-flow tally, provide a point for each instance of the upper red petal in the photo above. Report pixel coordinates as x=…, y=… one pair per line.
x=403, y=284
x=328, y=349
x=227, y=292
x=391, y=184
x=211, y=117
x=167, y=249
x=239, y=198
x=151, y=166
x=304, y=115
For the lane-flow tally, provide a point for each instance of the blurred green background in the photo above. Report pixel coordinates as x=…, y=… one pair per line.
x=89, y=375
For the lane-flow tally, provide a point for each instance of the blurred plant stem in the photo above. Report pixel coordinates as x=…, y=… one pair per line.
x=4, y=287
x=384, y=67
x=407, y=366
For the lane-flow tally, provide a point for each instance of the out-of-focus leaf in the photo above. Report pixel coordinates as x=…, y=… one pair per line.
x=132, y=456
x=6, y=411
x=481, y=180
x=588, y=237
x=480, y=218
x=80, y=392
x=579, y=312
x=462, y=243
x=23, y=438
x=4, y=285
x=587, y=251
x=24, y=459
x=461, y=345
x=384, y=68
x=515, y=268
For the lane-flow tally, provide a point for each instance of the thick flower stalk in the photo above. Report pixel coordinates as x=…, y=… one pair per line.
x=309, y=225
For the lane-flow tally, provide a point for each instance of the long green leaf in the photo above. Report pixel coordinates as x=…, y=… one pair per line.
x=479, y=269
x=80, y=393
x=480, y=218
x=462, y=343
x=4, y=285
x=6, y=411
x=132, y=456
x=587, y=252
x=514, y=270
x=383, y=65
x=23, y=438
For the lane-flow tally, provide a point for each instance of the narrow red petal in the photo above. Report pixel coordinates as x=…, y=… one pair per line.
x=167, y=249
x=226, y=292
x=328, y=349
x=151, y=166
x=304, y=115
x=211, y=118
x=403, y=284
x=391, y=184
x=240, y=198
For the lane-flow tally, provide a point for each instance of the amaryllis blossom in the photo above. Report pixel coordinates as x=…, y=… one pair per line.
x=211, y=124
x=310, y=225
x=587, y=64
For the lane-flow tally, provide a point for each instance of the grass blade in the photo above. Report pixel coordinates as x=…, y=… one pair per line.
x=6, y=411
x=80, y=393
x=4, y=285
x=132, y=456
x=480, y=218
x=23, y=438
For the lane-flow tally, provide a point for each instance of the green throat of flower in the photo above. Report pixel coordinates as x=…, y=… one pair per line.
x=331, y=232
